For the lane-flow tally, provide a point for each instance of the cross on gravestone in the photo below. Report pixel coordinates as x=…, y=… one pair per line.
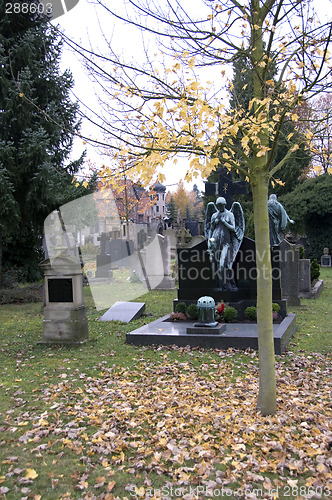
x=103, y=238
x=225, y=187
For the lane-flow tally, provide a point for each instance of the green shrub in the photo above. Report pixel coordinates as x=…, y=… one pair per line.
x=192, y=311
x=302, y=252
x=230, y=314
x=275, y=307
x=22, y=294
x=181, y=307
x=251, y=313
x=315, y=269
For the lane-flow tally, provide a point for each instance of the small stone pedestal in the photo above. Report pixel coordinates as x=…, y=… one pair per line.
x=65, y=319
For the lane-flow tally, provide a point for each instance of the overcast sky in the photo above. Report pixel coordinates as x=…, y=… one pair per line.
x=82, y=24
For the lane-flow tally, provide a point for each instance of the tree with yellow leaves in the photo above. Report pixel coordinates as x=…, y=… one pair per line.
x=159, y=110
x=186, y=201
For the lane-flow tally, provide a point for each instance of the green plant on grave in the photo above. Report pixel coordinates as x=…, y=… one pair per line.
x=275, y=307
x=192, y=311
x=230, y=314
x=315, y=269
x=251, y=313
x=181, y=307
x=301, y=252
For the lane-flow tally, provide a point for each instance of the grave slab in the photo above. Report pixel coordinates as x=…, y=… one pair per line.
x=235, y=335
x=124, y=311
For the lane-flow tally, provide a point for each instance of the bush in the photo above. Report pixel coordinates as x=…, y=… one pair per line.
x=181, y=307
x=315, y=269
x=251, y=313
x=275, y=307
x=192, y=311
x=230, y=314
x=22, y=295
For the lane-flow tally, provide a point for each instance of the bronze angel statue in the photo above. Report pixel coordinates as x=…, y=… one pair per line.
x=224, y=230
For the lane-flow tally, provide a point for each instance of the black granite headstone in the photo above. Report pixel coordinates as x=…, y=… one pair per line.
x=196, y=277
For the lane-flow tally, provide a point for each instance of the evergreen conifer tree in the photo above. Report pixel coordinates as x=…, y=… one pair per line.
x=171, y=209
x=38, y=122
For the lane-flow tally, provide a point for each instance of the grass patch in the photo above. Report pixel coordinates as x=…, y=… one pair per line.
x=110, y=420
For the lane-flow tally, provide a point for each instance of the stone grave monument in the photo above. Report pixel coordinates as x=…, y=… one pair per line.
x=65, y=320
x=325, y=260
x=289, y=272
x=103, y=260
x=197, y=266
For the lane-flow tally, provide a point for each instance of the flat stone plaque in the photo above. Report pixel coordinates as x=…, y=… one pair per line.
x=124, y=311
x=60, y=290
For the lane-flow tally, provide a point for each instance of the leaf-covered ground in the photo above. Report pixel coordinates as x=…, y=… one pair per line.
x=113, y=421
x=173, y=426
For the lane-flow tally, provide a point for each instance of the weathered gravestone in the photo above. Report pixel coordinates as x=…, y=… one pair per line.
x=65, y=319
x=120, y=252
x=304, y=276
x=103, y=260
x=325, y=260
x=289, y=272
x=153, y=264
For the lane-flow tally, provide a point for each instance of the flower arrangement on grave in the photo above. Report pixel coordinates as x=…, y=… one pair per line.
x=225, y=313
x=219, y=311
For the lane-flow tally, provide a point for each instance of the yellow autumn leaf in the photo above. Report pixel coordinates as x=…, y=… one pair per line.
x=31, y=474
x=43, y=422
x=281, y=183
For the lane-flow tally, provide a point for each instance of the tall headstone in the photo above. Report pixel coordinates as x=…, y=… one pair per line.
x=304, y=275
x=103, y=260
x=289, y=271
x=65, y=320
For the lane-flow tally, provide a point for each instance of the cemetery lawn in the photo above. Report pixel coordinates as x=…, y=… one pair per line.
x=108, y=420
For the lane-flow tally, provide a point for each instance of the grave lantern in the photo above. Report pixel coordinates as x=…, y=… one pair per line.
x=206, y=307
x=65, y=320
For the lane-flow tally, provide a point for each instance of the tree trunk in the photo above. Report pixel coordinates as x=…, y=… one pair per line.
x=267, y=376
x=1, y=274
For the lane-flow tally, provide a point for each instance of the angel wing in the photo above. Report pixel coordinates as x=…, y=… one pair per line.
x=239, y=229
x=210, y=210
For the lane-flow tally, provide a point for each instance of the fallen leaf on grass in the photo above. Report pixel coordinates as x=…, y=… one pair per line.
x=31, y=474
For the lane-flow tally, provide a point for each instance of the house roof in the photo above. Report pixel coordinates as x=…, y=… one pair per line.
x=159, y=187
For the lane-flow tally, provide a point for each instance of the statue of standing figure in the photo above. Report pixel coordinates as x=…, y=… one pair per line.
x=224, y=230
x=278, y=219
